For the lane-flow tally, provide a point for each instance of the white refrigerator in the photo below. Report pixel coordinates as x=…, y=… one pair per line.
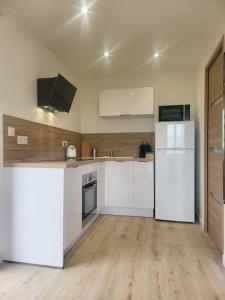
x=174, y=171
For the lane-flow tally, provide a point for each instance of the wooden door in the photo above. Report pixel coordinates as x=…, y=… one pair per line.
x=216, y=151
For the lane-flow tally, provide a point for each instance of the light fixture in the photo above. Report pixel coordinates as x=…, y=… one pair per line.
x=106, y=54
x=84, y=10
x=46, y=107
x=156, y=54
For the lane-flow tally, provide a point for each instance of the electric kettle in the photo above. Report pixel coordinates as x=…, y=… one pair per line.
x=71, y=153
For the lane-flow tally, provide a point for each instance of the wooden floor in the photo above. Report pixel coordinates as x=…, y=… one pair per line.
x=122, y=258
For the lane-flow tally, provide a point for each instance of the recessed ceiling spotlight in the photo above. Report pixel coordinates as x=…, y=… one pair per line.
x=84, y=10
x=106, y=54
x=156, y=54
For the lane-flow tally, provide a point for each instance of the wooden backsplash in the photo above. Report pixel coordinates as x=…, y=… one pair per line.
x=122, y=144
x=44, y=142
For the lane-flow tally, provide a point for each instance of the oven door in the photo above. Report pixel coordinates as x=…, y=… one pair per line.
x=89, y=199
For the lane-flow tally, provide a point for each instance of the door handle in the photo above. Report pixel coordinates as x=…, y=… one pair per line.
x=216, y=150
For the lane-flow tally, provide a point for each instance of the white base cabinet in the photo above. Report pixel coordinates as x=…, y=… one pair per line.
x=120, y=187
x=143, y=185
x=72, y=206
x=43, y=213
x=33, y=216
x=129, y=188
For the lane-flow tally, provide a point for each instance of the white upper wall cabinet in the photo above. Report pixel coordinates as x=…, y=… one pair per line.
x=126, y=102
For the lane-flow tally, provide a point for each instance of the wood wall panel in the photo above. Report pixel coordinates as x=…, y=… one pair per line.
x=215, y=123
x=44, y=142
x=215, y=174
x=215, y=151
x=122, y=144
x=216, y=222
x=216, y=78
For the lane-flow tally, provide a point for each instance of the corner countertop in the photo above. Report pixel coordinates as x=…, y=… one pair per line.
x=72, y=164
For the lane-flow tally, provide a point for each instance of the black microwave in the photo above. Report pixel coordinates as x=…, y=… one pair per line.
x=174, y=113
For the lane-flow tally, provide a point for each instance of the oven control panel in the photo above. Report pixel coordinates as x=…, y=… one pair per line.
x=88, y=178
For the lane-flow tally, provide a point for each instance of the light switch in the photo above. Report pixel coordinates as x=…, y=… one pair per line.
x=22, y=140
x=11, y=131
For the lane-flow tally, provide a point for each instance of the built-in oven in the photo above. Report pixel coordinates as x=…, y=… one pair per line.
x=89, y=196
x=174, y=113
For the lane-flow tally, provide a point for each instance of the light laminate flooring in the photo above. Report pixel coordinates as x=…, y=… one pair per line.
x=125, y=258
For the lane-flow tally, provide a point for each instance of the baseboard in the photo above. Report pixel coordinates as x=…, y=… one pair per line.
x=126, y=211
x=201, y=224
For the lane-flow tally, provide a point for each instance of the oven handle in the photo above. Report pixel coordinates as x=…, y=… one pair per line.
x=90, y=186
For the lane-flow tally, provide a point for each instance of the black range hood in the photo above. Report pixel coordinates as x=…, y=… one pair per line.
x=55, y=94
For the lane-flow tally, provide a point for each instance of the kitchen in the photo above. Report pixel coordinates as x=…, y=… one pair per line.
x=85, y=187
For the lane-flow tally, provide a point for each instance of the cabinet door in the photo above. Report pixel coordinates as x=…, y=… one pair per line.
x=105, y=183
x=111, y=103
x=100, y=187
x=139, y=101
x=143, y=185
x=120, y=187
x=134, y=101
x=72, y=206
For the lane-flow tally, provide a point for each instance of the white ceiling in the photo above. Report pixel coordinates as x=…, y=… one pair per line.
x=132, y=30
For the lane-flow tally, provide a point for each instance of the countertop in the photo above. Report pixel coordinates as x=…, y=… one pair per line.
x=72, y=164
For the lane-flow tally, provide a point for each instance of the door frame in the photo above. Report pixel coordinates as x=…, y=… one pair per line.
x=219, y=48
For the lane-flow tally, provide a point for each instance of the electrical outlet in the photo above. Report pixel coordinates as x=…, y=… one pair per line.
x=11, y=131
x=64, y=144
x=25, y=139
x=22, y=140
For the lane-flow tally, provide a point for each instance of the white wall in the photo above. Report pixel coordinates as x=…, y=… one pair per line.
x=23, y=59
x=168, y=89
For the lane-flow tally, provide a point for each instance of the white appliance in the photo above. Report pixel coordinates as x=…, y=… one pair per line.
x=174, y=171
x=71, y=153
